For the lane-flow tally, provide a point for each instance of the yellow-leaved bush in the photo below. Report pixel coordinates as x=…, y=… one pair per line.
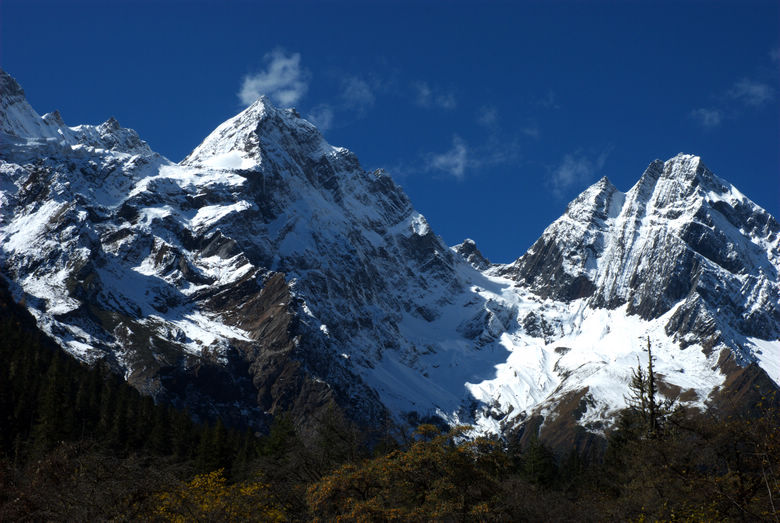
x=209, y=497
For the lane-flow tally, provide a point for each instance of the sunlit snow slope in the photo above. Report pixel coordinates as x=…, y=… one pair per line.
x=269, y=272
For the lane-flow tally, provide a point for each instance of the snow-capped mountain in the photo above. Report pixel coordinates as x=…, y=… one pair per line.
x=269, y=272
x=682, y=258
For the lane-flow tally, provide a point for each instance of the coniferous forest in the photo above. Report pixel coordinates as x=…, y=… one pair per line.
x=79, y=444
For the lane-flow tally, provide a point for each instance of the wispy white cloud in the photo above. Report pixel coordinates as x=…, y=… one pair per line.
x=447, y=101
x=453, y=161
x=424, y=93
x=322, y=116
x=495, y=152
x=745, y=94
x=426, y=96
x=751, y=92
x=283, y=80
x=707, y=117
x=463, y=158
x=575, y=170
x=549, y=100
x=531, y=130
x=487, y=116
x=357, y=93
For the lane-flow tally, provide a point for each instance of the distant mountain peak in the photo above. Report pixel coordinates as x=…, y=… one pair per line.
x=604, y=182
x=468, y=251
x=601, y=200
x=48, y=132
x=110, y=125
x=17, y=117
x=54, y=118
x=9, y=86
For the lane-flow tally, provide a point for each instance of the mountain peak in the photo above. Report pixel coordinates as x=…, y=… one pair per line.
x=9, y=87
x=673, y=181
x=54, y=118
x=683, y=159
x=602, y=200
x=110, y=125
x=653, y=171
x=684, y=167
x=262, y=103
x=17, y=117
x=468, y=251
x=242, y=142
x=604, y=182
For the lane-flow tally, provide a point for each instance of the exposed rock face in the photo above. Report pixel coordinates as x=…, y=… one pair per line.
x=559, y=263
x=469, y=252
x=680, y=236
x=269, y=272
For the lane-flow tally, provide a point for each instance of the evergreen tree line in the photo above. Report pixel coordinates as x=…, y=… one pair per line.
x=47, y=398
x=63, y=423
x=79, y=444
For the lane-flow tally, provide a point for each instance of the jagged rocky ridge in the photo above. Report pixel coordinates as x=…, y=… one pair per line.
x=268, y=271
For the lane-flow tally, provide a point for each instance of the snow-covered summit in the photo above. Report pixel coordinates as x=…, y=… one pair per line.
x=260, y=129
x=20, y=124
x=18, y=118
x=111, y=136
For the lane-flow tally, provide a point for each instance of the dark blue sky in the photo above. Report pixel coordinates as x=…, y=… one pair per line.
x=492, y=116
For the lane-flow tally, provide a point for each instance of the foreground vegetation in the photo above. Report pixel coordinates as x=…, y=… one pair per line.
x=79, y=444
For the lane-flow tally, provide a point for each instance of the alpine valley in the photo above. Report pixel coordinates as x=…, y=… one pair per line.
x=268, y=272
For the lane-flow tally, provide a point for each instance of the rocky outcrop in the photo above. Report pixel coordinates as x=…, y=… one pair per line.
x=469, y=252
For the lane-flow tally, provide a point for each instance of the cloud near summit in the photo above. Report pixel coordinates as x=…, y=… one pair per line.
x=453, y=161
x=283, y=80
x=575, y=170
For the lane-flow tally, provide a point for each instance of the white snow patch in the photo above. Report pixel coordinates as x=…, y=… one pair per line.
x=230, y=160
x=768, y=355
x=211, y=214
x=206, y=332
x=419, y=225
x=224, y=270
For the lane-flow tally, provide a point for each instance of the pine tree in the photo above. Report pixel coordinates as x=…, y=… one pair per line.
x=213, y=452
x=643, y=401
x=159, y=439
x=54, y=418
x=539, y=465
x=652, y=405
x=184, y=434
